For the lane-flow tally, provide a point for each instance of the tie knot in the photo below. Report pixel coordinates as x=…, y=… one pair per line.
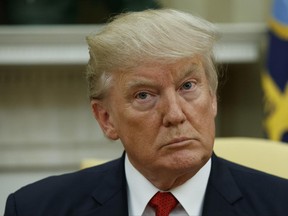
x=163, y=203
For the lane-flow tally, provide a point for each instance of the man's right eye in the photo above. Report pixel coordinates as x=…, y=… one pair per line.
x=144, y=100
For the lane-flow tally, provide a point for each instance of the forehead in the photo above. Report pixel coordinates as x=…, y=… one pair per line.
x=160, y=71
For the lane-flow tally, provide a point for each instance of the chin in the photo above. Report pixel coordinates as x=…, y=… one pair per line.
x=188, y=160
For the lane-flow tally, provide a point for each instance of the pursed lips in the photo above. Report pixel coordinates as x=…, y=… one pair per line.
x=179, y=141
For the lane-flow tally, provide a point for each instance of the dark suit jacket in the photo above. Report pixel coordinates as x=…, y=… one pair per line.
x=101, y=190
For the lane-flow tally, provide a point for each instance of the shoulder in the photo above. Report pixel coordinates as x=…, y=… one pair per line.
x=258, y=186
x=244, y=190
x=69, y=181
x=62, y=192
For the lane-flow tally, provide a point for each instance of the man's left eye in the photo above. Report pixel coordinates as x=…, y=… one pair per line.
x=142, y=95
x=187, y=85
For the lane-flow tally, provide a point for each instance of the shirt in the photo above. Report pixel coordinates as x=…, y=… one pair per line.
x=190, y=194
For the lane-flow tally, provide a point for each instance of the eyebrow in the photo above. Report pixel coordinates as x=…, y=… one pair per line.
x=138, y=82
x=191, y=68
x=142, y=81
x=189, y=71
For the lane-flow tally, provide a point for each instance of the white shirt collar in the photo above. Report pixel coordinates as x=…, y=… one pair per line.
x=190, y=195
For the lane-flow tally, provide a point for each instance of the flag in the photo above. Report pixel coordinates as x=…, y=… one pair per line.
x=275, y=78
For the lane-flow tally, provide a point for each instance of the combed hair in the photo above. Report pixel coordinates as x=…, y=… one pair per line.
x=136, y=38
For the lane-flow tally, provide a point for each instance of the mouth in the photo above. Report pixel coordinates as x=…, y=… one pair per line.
x=179, y=142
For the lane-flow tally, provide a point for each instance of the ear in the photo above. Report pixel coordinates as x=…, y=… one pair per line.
x=102, y=115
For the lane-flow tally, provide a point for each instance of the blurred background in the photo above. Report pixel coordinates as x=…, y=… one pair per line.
x=46, y=124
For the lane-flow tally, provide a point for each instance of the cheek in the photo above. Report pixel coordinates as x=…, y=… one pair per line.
x=208, y=124
x=202, y=119
x=140, y=136
x=214, y=105
x=209, y=106
x=139, y=143
x=136, y=127
x=202, y=111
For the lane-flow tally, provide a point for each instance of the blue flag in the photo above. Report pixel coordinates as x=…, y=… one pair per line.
x=275, y=79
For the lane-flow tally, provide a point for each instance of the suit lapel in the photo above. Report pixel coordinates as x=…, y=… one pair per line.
x=223, y=196
x=110, y=195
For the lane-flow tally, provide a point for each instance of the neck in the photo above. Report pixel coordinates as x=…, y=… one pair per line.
x=168, y=177
x=167, y=181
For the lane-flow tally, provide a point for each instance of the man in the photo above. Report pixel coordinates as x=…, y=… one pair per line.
x=152, y=84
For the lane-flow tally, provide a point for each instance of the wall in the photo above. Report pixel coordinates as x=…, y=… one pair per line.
x=227, y=11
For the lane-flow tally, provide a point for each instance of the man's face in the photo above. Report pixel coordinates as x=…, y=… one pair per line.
x=164, y=116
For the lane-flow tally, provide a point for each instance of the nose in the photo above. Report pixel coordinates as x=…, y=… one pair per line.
x=173, y=113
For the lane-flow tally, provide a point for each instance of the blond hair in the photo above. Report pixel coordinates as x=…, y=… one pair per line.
x=136, y=38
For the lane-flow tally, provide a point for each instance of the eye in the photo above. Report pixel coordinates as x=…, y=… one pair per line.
x=187, y=85
x=144, y=100
x=142, y=95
